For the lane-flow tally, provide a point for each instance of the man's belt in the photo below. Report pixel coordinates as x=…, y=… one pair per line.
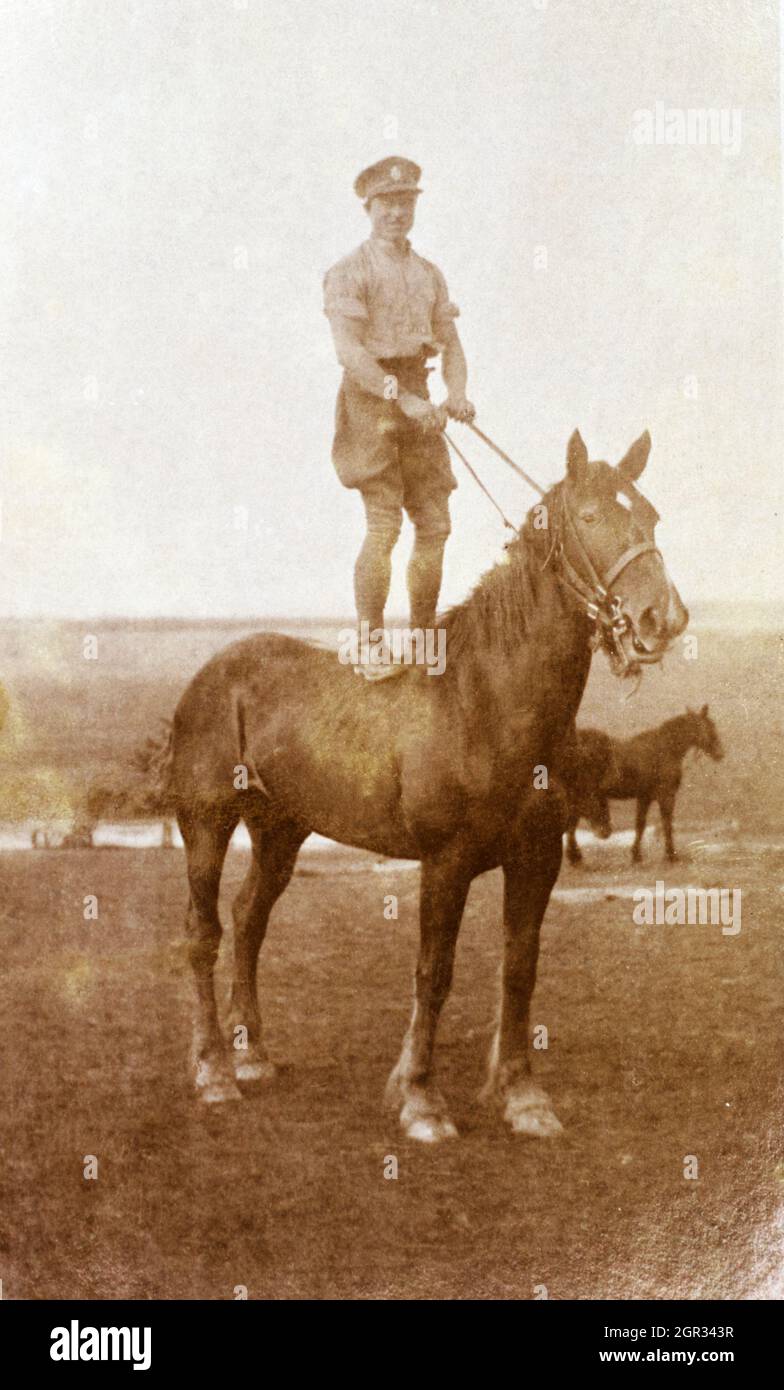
x=413, y=362
x=402, y=365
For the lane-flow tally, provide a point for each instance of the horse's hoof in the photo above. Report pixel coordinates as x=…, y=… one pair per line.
x=429, y=1129
x=215, y=1085
x=218, y=1093
x=259, y=1070
x=531, y=1114
x=425, y=1118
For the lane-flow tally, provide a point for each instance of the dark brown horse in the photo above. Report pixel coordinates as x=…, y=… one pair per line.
x=445, y=770
x=649, y=766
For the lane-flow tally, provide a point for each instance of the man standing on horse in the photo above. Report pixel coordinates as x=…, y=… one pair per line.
x=389, y=311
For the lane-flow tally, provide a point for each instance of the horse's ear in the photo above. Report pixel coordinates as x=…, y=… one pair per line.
x=635, y=459
x=704, y=711
x=576, y=456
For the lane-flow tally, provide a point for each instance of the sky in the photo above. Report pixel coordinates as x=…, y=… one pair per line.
x=177, y=178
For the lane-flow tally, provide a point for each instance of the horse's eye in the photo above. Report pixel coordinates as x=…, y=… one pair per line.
x=589, y=517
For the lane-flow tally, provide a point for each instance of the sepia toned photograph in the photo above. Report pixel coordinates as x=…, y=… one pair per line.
x=392, y=796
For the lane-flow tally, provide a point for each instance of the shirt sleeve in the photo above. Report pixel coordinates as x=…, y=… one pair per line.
x=345, y=295
x=444, y=311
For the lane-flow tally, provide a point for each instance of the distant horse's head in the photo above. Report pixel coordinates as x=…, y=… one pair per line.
x=598, y=768
x=704, y=733
x=596, y=809
x=608, y=557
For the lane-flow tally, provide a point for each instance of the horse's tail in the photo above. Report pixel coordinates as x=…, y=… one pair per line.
x=153, y=759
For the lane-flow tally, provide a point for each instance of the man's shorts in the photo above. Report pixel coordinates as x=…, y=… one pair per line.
x=391, y=460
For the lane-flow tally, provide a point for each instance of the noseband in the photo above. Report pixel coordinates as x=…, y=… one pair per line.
x=603, y=608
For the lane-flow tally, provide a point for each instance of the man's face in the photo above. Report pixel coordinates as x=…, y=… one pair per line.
x=392, y=214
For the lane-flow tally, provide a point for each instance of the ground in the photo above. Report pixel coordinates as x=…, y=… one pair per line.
x=664, y=1044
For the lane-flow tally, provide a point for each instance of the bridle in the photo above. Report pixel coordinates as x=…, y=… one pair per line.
x=602, y=607
x=593, y=592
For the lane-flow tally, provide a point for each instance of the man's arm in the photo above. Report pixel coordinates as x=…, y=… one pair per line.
x=347, y=334
x=352, y=354
x=455, y=373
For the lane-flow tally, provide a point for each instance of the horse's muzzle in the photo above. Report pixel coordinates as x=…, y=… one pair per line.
x=645, y=642
x=655, y=630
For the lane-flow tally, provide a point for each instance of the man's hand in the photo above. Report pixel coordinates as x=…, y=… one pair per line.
x=460, y=409
x=427, y=415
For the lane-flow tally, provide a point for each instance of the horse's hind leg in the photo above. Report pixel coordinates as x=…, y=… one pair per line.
x=206, y=842
x=274, y=854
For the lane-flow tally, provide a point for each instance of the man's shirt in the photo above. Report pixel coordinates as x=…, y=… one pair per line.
x=401, y=299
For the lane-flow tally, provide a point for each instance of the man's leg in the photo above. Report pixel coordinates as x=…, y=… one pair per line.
x=365, y=456
x=373, y=569
x=423, y=575
x=373, y=574
x=428, y=481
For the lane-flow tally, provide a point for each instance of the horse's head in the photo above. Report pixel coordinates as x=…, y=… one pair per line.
x=596, y=809
x=704, y=733
x=608, y=557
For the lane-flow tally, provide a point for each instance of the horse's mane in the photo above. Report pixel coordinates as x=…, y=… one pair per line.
x=676, y=721
x=661, y=734
x=499, y=609
x=679, y=723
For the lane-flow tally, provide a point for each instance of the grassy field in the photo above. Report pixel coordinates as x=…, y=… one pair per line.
x=71, y=719
x=664, y=1041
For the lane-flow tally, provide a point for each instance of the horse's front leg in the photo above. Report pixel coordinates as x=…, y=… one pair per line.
x=643, y=802
x=529, y=875
x=666, y=808
x=443, y=891
x=573, y=851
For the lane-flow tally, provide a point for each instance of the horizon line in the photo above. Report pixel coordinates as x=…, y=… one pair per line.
x=242, y=620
